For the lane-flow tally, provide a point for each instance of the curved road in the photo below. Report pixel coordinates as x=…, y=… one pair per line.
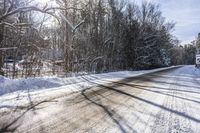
x=163, y=102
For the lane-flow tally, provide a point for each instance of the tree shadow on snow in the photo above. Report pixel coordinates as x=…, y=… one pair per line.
x=13, y=125
x=114, y=86
x=116, y=118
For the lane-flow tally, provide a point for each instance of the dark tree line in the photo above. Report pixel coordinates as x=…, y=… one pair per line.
x=86, y=35
x=117, y=35
x=184, y=55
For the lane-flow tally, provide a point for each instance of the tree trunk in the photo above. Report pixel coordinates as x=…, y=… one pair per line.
x=1, y=52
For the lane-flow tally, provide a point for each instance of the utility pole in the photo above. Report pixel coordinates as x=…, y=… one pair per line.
x=198, y=51
x=198, y=44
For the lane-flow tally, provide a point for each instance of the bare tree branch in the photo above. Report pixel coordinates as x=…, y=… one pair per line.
x=32, y=8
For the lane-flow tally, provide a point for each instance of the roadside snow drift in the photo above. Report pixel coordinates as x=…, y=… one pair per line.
x=31, y=84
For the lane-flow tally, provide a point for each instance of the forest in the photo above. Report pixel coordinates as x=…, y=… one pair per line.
x=86, y=36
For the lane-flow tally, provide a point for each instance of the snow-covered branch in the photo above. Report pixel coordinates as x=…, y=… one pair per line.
x=47, y=10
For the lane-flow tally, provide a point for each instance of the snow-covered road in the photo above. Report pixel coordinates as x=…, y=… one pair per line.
x=161, y=102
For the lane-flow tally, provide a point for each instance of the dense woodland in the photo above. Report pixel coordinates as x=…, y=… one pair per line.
x=73, y=36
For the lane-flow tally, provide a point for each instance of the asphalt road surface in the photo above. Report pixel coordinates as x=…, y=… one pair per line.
x=162, y=102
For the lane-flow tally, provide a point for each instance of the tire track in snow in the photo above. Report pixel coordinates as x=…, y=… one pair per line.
x=168, y=122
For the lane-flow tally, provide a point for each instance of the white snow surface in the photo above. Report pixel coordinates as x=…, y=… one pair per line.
x=13, y=88
x=3, y=79
x=168, y=103
x=12, y=85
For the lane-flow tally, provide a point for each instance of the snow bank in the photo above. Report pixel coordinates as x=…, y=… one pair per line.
x=197, y=72
x=3, y=79
x=25, y=84
x=31, y=84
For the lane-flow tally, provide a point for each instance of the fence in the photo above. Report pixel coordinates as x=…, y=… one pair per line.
x=25, y=71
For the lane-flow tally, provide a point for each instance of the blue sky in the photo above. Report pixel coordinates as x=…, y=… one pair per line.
x=186, y=15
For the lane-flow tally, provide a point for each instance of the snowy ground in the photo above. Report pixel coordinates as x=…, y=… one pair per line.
x=17, y=87
x=166, y=101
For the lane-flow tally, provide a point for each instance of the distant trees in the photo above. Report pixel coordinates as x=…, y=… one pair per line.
x=189, y=54
x=184, y=54
x=87, y=35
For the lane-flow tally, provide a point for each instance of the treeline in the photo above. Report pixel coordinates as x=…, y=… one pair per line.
x=86, y=35
x=184, y=54
x=118, y=36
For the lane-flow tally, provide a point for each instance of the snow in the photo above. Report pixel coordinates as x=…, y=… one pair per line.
x=167, y=102
x=31, y=84
x=3, y=79
x=12, y=89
